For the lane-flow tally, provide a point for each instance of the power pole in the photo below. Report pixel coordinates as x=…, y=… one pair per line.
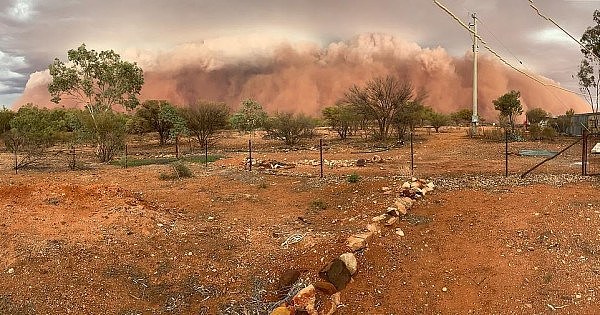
x=475, y=117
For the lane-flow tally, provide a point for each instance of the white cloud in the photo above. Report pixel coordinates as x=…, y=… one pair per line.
x=21, y=10
x=551, y=36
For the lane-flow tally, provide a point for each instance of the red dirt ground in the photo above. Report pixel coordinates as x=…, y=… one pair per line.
x=108, y=240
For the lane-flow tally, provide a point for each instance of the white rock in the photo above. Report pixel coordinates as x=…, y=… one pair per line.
x=11, y=270
x=350, y=261
x=400, y=232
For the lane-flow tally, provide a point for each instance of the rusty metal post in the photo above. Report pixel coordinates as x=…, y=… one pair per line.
x=321, y=155
x=505, y=152
x=250, y=154
x=412, y=155
x=206, y=153
x=584, y=153
x=125, y=156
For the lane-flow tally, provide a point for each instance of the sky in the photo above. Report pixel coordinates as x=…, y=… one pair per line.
x=217, y=34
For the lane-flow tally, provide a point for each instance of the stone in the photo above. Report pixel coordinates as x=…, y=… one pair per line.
x=400, y=206
x=305, y=300
x=430, y=185
x=350, y=261
x=336, y=273
x=359, y=241
x=282, y=310
x=399, y=232
x=377, y=159
x=325, y=287
x=391, y=221
x=361, y=162
x=393, y=211
x=374, y=228
x=405, y=185
x=380, y=218
x=11, y=270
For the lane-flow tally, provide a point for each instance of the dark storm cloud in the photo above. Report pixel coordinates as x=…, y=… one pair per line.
x=33, y=32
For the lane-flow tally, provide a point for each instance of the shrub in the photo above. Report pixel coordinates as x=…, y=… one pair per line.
x=317, y=205
x=290, y=128
x=353, y=178
x=549, y=133
x=178, y=171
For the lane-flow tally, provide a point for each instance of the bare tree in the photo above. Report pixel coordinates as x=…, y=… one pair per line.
x=203, y=119
x=381, y=99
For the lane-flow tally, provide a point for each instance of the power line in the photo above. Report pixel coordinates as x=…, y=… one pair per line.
x=486, y=46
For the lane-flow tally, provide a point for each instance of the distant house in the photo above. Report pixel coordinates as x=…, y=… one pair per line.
x=588, y=121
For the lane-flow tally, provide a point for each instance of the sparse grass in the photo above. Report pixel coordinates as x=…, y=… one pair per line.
x=179, y=170
x=353, y=178
x=262, y=185
x=198, y=159
x=318, y=205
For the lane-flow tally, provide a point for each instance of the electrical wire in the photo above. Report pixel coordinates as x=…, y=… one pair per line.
x=486, y=46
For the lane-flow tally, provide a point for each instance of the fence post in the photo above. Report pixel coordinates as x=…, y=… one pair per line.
x=412, y=154
x=125, y=156
x=16, y=161
x=250, y=154
x=505, y=152
x=584, y=144
x=177, y=147
x=206, y=153
x=321, y=155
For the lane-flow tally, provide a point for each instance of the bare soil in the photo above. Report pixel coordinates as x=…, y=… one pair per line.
x=108, y=240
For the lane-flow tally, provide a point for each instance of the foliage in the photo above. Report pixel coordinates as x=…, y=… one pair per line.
x=343, y=118
x=588, y=73
x=536, y=115
x=462, y=117
x=6, y=116
x=162, y=161
x=159, y=116
x=290, y=128
x=382, y=99
x=318, y=205
x=353, y=178
x=509, y=106
x=250, y=117
x=562, y=123
x=97, y=80
x=178, y=170
x=32, y=131
x=203, y=119
x=107, y=131
x=409, y=116
x=438, y=120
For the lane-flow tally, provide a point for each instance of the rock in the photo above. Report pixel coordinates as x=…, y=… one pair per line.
x=391, y=221
x=374, y=228
x=393, y=211
x=325, y=287
x=361, y=162
x=400, y=206
x=305, y=300
x=385, y=188
x=359, y=241
x=399, y=232
x=430, y=185
x=11, y=271
x=350, y=260
x=377, y=159
x=336, y=273
x=444, y=289
x=405, y=185
x=282, y=310
x=380, y=218
x=286, y=280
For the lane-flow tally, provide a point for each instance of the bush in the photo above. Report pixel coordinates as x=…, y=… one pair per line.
x=203, y=120
x=179, y=170
x=290, y=128
x=353, y=178
x=549, y=133
x=318, y=205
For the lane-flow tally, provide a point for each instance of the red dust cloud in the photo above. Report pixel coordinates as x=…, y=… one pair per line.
x=304, y=77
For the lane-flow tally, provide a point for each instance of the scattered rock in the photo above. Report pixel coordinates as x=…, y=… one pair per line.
x=336, y=273
x=350, y=261
x=380, y=218
x=377, y=159
x=282, y=310
x=399, y=232
x=391, y=221
x=374, y=228
x=361, y=162
x=305, y=300
x=11, y=271
x=359, y=241
x=325, y=287
x=286, y=280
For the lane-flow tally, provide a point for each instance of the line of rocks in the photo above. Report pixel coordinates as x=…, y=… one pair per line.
x=337, y=274
x=490, y=182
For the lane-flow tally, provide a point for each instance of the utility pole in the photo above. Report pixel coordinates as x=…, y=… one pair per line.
x=474, y=118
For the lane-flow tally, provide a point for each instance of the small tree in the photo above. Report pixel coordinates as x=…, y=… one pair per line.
x=509, y=106
x=107, y=131
x=159, y=116
x=290, y=128
x=438, y=120
x=203, y=119
x=589, y=69
x=381, y=100
x=462, y=117
x=562, y=123
x=342, y=118
x=250, y=117
x=32, y=131
x=6, y=116
x=536, y=115
x=408, y=117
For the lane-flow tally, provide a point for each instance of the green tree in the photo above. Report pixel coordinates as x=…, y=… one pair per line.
x=6, y=116
x=250, y=117
x=342, y=118
x=107, y=131
x=203, y=119
x=32, y=132
x=438, y=120
x=408, y=117
x=159, y=116
x=562, y=123
x=381, y=99
x=509, y=106
x=462, y=117
x=290, y=128
x=588, y=73
x=536, y=115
